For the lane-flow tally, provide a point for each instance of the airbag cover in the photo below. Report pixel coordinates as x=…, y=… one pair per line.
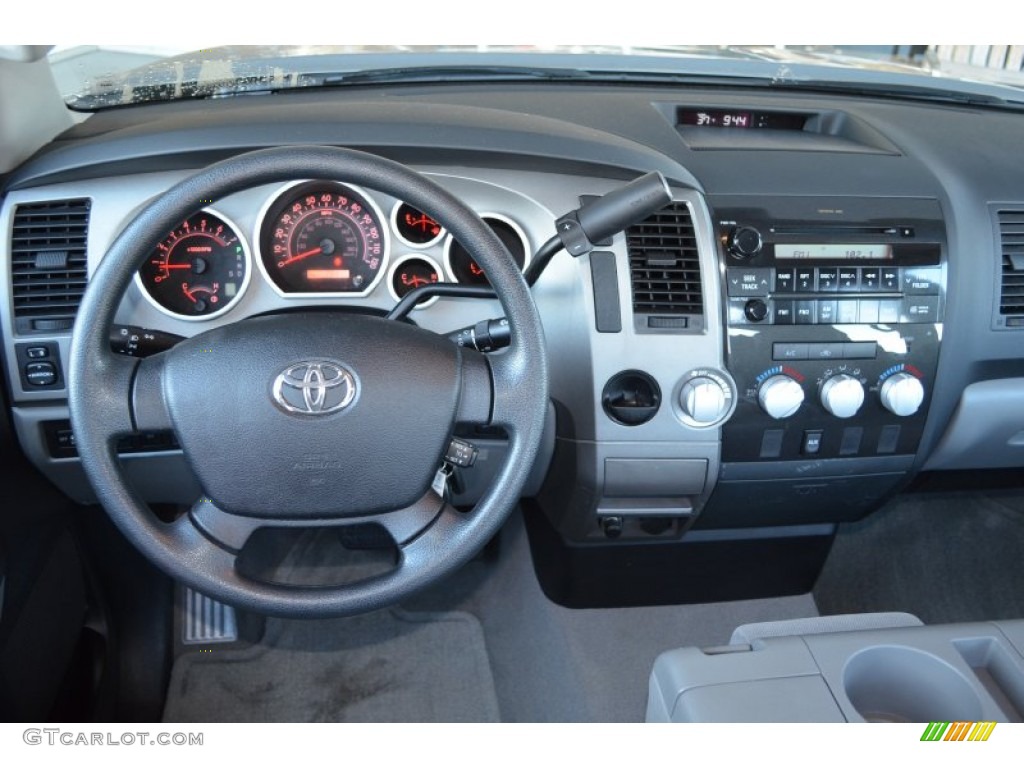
x=313, y=414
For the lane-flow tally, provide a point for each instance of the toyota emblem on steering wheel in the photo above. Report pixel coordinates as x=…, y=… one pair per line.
x=314, y=388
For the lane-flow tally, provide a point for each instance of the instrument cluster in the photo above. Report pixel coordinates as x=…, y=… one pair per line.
x=313, y=239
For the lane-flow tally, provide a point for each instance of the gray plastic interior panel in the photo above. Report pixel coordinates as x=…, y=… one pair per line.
x=966, y=672
x=987, y=429
x=819, y=625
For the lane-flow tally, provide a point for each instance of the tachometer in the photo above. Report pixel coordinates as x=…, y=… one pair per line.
x=199, y=270
x=323, y=238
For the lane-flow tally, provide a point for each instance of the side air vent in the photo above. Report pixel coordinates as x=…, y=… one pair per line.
x=48, y=263
x=1011, y=294
x=665, y=271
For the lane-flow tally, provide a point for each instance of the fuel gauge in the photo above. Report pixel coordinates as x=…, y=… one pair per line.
x=199, y=270
x=414, y=227
x=411, y=272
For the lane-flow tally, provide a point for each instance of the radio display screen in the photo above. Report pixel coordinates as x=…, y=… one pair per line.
x=854, y=251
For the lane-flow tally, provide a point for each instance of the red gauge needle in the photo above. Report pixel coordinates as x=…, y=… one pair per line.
x=303, y=255
x=177, y=266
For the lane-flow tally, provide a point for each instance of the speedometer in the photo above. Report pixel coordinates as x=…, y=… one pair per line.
x=323, y=238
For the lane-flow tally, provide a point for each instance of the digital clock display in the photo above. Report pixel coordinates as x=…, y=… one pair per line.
x=855, y=251
x=741, y=119
x=717, y=119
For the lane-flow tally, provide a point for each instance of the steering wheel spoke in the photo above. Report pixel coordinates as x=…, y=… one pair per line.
x=110, y=395
x=510, y=382
x=231, y=532
x=148, y=403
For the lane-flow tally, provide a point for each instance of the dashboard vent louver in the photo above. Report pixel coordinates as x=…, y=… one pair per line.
x=1011, y=296
x=665, y=269
x=48, y=262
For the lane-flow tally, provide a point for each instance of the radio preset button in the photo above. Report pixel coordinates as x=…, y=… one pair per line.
x=890, y=279
x=848, y=281
x=804, y=280
x=784, y=281
x=828, y=279
x=870, y=279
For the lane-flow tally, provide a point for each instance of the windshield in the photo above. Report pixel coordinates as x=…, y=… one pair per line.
x=98, y=77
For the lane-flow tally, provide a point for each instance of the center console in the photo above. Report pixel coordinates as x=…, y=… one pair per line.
x=849, y=669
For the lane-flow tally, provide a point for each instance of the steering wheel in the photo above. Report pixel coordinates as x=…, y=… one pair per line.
x=307, y=419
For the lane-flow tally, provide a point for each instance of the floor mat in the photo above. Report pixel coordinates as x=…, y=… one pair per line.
x=947, y=557
x=388, y=666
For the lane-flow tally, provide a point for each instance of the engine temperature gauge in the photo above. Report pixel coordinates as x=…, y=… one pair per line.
x=411, y=272
x=199, y=270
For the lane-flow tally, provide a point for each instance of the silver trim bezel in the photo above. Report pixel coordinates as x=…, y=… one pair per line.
x=234, y=301
x=278, y=193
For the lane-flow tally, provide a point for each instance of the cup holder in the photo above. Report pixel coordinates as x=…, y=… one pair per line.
x=897, y=684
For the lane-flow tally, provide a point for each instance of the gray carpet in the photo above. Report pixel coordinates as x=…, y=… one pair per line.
x=948, y=557
x=546, y=663
x=388, y=666
x=555, y=664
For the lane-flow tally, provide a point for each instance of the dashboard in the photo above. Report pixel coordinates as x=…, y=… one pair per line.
x=830, y=304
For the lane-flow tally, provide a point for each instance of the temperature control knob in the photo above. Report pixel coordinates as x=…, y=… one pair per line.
x=842, y=395
x=780, y=396
x=704, y=400
x=902, y=394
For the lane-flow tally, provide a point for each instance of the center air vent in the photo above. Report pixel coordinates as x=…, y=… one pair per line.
x=48, y=263
x=665, y=271
x=1011, y=294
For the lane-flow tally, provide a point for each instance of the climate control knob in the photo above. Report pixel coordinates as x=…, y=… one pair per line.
x=780, y=396
x=842, y=395
x=704, y=400
x=902, y=394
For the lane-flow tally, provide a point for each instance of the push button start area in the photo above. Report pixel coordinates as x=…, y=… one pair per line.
x=308, y=415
